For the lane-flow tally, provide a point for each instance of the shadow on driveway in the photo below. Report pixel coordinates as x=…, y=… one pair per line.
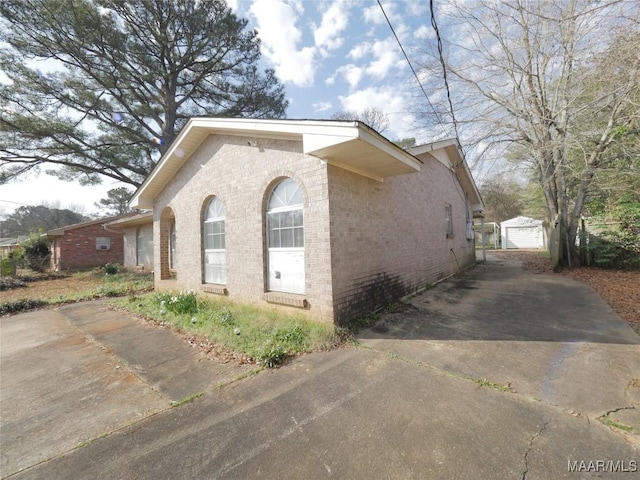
x=498, y=300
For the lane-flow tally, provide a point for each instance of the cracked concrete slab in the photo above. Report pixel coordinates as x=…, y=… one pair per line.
x=548, y=337
x=349, y=413
x=60, y=389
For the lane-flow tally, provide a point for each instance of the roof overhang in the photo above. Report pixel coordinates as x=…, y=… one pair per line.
x=350, y=145
x=138, y=219
x=449, y=153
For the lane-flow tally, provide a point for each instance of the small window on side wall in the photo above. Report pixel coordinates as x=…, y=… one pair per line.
x=448, y=218
x=103, y=243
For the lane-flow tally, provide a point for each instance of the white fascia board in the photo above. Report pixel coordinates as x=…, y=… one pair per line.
x=315, y=135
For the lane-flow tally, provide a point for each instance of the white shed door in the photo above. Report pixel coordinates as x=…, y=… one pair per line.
x=524, y=237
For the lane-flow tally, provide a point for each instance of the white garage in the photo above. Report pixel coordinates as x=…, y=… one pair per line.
x=522, y=232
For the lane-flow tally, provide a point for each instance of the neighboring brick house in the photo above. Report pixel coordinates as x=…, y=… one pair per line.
x=326, y=216
x=85, y=245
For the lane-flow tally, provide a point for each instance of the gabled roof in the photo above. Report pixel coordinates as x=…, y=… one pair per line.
x=350, y=145
x=58, y=232
x=522, y=221
x=449, y=153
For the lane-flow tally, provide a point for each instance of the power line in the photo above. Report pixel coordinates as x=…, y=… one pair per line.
x=434, y=24
x=409, y=62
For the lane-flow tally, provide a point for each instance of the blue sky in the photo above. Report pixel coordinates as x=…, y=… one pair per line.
x=337, y=55
x=331, y=55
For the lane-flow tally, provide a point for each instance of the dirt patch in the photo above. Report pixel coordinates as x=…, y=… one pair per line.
x=619, y=288
x=53, y=288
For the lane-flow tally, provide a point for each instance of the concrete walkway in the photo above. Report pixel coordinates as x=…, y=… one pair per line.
x=496, y=374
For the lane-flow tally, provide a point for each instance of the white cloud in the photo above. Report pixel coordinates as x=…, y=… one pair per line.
x=351, y=73
x=387, y=56
x=373, y=14
x=321, y=106
x=276, y=25
x=389, y=99
x=330, y=81
x=359, y=51
x=424, y=32
x=417, y=8
x=334, y=21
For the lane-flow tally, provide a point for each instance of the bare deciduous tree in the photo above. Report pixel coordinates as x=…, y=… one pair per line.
x=372, y=116
x=556, y=80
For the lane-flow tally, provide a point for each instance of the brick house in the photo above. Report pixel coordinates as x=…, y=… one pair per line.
x=325, y=216
x=85, y=245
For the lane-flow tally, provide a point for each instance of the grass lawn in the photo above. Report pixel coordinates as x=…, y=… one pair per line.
x=233, y=331
x=264, y=335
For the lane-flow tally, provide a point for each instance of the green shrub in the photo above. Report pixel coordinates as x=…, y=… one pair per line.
x=111, y=268
x=619, y=247
x=182, y=303
x=271, y=354
x=8, y=266
x=35, y=252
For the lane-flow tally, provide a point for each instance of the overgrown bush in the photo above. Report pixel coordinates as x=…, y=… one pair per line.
x=619, y=247
x=8, y=265
x=35, y=252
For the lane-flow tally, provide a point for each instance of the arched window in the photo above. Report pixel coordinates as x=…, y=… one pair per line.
x=215, y=255
x=285, y=238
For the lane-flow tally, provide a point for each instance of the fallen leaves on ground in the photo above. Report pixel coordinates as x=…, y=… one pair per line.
x=619, y=288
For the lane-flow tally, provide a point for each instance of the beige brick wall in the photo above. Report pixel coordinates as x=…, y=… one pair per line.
x=242, y=176
x=389, y=238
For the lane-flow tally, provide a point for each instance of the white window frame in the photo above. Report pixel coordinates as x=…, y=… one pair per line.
x=287, y=259
x=103, y=242
x=214, y=272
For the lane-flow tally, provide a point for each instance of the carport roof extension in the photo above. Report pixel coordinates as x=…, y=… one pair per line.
x=351, y=145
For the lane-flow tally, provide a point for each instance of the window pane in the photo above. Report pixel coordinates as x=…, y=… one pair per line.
x=298, y=235
x=286, y=194
x=208, y=236
x=286, y=219
x=214, y=209
x=297, y=218
x=287, y=237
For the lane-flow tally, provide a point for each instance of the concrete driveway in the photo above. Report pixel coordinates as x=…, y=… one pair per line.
x=496, y=374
